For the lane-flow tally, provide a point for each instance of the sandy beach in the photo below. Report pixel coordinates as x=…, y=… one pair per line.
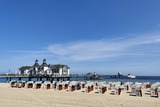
x=20, y=97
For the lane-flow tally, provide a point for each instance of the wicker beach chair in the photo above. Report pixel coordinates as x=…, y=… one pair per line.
x=47, y=85
x=136, y=90
x=13, y=83
x=21, y=84
x=38, y=85
x=29, y=84
x=102, y=88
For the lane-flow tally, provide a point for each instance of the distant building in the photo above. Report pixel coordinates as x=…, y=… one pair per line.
x=45, y=69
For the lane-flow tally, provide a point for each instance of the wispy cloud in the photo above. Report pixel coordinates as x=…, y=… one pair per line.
x=73, y=53
x=26, y=51
x=102, y=49
x=99, y=49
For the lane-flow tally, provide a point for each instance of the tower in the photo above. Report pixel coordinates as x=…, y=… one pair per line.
x=36, y=67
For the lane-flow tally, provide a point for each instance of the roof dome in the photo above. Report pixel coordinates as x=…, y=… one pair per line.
x=36, y=61
x=44, y=63
x=44, y=60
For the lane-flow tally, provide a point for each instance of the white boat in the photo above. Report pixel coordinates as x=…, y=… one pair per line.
x=131, y=76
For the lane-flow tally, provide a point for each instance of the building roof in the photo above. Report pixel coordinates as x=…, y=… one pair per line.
x=23, y=68
x=59, y=65
x=36, y=63
x=44, y=64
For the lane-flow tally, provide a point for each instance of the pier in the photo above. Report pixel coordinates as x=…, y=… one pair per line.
x=38, y=77
x=58, y=77
x=97, y=76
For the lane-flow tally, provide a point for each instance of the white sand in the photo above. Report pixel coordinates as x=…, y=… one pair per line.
x=20, y=97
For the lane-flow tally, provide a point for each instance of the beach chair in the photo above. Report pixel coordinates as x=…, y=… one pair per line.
x=72, y=86
x=158, y=91
x=88, y=88
x=133, y=90
x=65, y=84
x=126, y=86
x=146, y=85
x=38, y=85
x=102, y=88
x=117, y=89
x=20, y=84
x=82, y=84
x=96, y=85
x=13, y=83
x=59, y=86
x=136, y=90
x=92, y=87
x=29, y=84
x=78, y=86
x=47, y=85
x=153, y=90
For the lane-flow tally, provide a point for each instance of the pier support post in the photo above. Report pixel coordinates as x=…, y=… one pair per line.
x=29, y=78
x=57, y=79
x=52, y=79
x=19, y=78
x=7, y=79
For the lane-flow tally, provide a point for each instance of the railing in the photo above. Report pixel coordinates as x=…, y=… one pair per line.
x=17, y=75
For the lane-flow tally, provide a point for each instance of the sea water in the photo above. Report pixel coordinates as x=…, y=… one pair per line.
x=151, y=79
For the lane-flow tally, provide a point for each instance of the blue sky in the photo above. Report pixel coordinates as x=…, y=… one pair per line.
x=103, y=36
